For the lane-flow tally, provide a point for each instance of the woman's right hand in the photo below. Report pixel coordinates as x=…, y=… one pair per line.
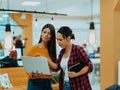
x=52, y=64
x=35, y=74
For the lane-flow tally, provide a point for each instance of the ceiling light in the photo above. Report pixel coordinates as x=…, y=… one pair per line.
x=52, y=20
x=36, y=22
x=8, y=40
x=23, y=16
x=30, y=3
x=37, y=12
x=92, y=35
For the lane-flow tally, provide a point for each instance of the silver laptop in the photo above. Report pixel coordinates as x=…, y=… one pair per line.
x=36, y=64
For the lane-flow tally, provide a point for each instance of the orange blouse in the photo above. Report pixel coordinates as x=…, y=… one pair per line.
x=37, y=51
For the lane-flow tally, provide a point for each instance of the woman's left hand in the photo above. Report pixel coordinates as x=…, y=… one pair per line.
x=36, y=74
x=72, y=74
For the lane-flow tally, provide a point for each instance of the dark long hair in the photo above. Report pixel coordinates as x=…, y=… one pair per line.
x=52, y=43
x=66, y=31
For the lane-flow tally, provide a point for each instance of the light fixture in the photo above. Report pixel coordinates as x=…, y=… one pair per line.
x=37, y=12
x=23, y=16
x=36, y=22
x=92, y=35
x=30, y=3
x=8, y=40
x=26, y=11
x=52, y=21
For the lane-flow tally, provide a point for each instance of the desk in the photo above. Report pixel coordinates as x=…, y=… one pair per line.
x=96, y=68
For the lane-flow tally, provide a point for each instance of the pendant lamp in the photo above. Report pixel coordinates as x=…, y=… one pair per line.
x=8, y=40
x=92, y=35
x=52, y=21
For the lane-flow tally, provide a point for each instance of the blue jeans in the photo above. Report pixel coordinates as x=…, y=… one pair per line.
x=39, y=84
x=67, y=86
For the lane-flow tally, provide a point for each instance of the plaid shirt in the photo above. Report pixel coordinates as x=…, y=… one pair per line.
x=77, y=55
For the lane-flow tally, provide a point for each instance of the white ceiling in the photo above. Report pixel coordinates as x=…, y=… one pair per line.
x=69, y=7
x=74, y=8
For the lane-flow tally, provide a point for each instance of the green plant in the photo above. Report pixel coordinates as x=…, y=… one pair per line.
x=55, y=78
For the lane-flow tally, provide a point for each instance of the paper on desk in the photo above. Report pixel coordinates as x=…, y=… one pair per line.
x=33, y=64
x=4, y=81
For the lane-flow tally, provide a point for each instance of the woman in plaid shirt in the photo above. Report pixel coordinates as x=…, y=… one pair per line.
x=70, y=55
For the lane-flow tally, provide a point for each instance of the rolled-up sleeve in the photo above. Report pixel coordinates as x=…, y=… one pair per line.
x=85, y=59
x=59, y=60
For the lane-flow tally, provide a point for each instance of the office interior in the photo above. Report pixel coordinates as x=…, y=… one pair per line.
x=104, y=53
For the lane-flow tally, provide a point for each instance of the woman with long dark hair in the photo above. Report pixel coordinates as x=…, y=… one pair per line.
x=46, y=47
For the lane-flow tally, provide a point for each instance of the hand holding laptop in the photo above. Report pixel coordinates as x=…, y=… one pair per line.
x=36, y=67
x=35, y=64
x=36, y=73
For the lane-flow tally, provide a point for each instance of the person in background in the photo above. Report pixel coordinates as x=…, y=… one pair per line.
x=19, y=44
x=10, y=60
x=85, y=48
x=70, y=55
x=46, y=47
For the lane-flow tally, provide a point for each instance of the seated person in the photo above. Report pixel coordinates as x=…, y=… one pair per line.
x=11, y=60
